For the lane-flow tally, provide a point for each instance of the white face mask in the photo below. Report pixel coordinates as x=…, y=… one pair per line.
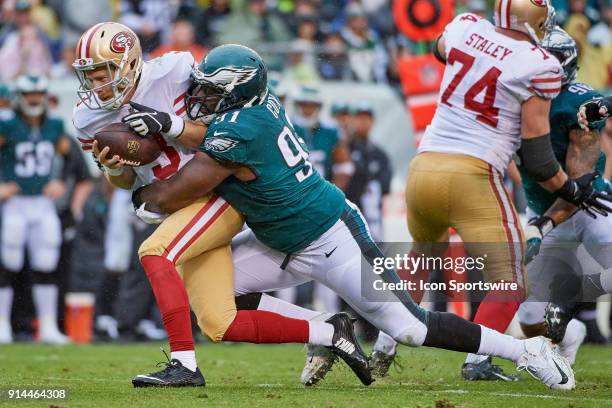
x=309, y=121
x=32, y=110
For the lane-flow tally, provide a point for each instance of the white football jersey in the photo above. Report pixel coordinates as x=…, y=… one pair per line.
x=162, y=86
x=487, y=78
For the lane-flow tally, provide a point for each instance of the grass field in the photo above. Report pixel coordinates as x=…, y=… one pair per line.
x=268, y=376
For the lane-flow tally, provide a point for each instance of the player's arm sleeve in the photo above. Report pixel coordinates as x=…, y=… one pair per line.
x=225, y=147
x=540, y=75
x=440, y=55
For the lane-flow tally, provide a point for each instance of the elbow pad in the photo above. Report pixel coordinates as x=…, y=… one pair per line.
x=538, y=159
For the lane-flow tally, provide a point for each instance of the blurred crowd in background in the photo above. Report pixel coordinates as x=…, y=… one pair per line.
x=304, y=42
x=308, y=40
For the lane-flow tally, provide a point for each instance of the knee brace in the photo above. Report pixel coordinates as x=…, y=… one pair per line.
x=249, y=301
x=44, y=278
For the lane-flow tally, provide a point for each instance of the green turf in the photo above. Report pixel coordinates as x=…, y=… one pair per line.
x=267, y=376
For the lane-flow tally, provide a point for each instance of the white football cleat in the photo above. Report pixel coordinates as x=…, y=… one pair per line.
x=6, y=332
x=319, y=361
x=546, y=365
x=577, y=332
x=53, y=337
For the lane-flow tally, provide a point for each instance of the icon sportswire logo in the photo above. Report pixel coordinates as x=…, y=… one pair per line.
x=345, y=345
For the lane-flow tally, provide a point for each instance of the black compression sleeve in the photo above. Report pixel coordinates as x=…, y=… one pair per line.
x=436, y=52
x=538, y=158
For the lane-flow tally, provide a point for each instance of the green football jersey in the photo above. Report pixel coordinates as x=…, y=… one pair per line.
x=321, y=142
x=563, y=119
x=289, y=205
x=28, y=153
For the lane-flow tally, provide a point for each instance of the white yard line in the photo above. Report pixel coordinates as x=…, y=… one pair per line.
x=524, y=395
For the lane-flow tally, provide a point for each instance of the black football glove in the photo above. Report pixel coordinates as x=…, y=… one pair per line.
x=593, y=111
x=580, y=193
x=147, y=121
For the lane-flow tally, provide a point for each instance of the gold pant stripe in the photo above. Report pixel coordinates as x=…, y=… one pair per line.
x=196, y=227
x=510, y=223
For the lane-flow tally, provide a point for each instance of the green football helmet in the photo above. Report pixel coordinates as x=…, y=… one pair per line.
x=231, y=76
x=560, y=44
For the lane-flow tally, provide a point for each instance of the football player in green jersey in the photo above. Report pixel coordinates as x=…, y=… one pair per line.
x=29, y=141
x=301, y=227
x=576, y=145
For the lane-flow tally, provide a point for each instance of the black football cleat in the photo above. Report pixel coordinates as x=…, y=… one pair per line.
x=557, y=317
x=485, y=371
x=380, y=363
x=346, y=346
x=174, y=375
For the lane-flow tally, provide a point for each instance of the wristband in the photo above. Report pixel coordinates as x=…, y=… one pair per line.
x=176, y=127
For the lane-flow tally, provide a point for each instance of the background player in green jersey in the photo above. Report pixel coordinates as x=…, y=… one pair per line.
x=327, y=150
x=29, y=141
x=302, y=228
x=579, y=152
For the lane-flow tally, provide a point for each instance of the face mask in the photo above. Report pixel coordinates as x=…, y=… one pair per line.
x=32, y=110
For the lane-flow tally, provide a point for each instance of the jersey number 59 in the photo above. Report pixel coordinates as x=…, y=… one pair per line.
x=487, y=113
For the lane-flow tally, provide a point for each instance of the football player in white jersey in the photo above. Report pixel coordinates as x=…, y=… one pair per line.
x=192, y=244
x=494, y=99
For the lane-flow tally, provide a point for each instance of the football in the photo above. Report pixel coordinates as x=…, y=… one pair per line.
x=133, y=149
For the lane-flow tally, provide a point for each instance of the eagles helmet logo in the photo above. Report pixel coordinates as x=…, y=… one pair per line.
x=219, y=144
x=227, y=77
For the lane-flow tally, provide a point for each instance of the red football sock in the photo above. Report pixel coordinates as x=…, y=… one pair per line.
x=497, y=310
x=258, y=326
x=172, y=299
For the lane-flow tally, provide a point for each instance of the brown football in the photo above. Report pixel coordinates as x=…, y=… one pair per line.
x=133, y=149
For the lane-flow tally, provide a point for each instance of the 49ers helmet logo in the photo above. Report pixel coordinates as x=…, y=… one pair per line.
x=123, y=40
x=540, y=3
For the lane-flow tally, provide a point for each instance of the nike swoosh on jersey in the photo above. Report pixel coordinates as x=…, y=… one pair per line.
x=328, y=254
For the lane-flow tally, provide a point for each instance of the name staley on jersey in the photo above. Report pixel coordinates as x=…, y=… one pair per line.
x=488, y=47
